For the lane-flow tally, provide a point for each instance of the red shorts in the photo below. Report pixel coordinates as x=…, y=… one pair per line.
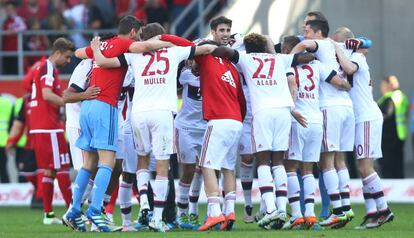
x=51, y=150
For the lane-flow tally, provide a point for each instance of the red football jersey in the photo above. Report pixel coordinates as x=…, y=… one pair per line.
x=110, y=79
x=221, y=89
x=44, y=116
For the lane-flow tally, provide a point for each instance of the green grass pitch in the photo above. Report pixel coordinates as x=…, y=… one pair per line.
x=27, y=223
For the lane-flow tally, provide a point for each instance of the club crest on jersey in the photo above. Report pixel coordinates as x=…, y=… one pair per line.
x=227, y=77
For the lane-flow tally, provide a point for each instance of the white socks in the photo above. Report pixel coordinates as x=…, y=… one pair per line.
x=280, y=180
x=266, y=187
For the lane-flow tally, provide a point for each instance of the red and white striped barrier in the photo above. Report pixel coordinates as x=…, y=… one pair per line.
x=395, y=190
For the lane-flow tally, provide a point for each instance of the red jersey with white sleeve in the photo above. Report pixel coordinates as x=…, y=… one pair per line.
x=308, y=78
x=110, y=79
x=221, y=89
x=45, y=117
x=266, y=79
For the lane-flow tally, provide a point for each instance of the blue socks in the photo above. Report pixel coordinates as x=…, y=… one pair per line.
x=102, y=178
x=324, y=197
x=79, y=187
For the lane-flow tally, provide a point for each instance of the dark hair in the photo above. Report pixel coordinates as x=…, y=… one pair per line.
x=219, y=20
x=11, y=2
x=255, y=43
x=289, y=42
x=151, y=30
x=107, y=36
x=316, y=25
x=127, y=23
x=62, y=44
x=318, y=15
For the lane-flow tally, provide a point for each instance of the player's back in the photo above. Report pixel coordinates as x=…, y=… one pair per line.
x=265, y=75
x=329, y=95
x=190, y=114
x=365, y=108
x=79, y=80
x=155, y=76
x=109, y=80
x=45, y=116
x=308, y=77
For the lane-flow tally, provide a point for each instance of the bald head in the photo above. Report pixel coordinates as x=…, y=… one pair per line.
x=342, y=33
x=389, y=83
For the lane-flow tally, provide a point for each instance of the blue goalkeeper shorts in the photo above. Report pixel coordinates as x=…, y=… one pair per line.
x=99, y=126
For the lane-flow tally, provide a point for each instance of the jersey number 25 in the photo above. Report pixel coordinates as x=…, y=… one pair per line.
x=158, y=57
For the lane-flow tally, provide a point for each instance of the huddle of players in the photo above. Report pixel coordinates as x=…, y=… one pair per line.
x=272, y=83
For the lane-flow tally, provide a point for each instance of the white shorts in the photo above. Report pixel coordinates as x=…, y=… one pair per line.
x=220, y=144
x=120, y=143
x=130, y=163
x=76, y=153
x=305, y=143
x=245, y=144
x=154, y=131
x=368, y=136
x=271, y=129
x=338, y=128
x=188, y=145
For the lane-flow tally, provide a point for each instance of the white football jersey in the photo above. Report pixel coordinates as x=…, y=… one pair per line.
x=155, y=76
x=266, y=80
x=79, y=79
x=365, y=108
x=191, y=114
x=328, y=94
x=128, y=81
x=308, y=78
x=248, y=117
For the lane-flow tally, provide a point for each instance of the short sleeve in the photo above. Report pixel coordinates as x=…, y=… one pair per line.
x=184, y=53
x=290, y=72
x=357, y=59
x=89, y=52
x=287, y=59
x=81, y=75
x=47, y=78
x=126, y=59
x=325, y=73
x=186, y=77
x=240, y=58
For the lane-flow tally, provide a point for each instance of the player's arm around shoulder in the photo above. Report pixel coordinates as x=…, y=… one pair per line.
x=309, y=45
x=75, y=94
x=348, y=66
x=99, y=58
x=337, y=82
x=225, y=52
x=149, y=45
x=81, y=53
x=205, y=49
